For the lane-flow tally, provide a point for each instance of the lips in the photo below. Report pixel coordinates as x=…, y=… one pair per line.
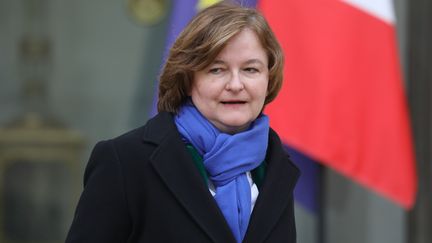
x=233, y=102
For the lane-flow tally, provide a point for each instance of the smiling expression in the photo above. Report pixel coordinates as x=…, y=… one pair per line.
x=231, y=91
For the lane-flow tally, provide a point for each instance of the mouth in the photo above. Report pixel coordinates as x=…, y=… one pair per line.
x=233, y=102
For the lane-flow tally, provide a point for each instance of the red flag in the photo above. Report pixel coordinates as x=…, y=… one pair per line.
x=342, y=101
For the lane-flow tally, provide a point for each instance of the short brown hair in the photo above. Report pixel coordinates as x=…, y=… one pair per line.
x=201, y=41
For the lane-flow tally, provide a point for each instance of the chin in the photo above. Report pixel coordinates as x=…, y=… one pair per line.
x=236, y=126
x=237, y=123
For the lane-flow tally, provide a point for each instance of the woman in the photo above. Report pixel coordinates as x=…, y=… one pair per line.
x=207, y=168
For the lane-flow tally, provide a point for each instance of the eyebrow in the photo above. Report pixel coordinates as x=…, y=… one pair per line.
x=217, y=62
x=251, y=61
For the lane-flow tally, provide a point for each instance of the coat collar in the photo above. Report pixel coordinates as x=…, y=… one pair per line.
x=275, y=194
x=175, y=166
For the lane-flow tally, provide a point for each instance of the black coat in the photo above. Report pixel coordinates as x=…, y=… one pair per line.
x=144, y=187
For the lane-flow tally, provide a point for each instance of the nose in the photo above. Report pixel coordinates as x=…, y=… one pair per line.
x=235, y=84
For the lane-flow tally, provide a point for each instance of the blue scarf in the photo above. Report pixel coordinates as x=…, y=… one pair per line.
x=227, y=158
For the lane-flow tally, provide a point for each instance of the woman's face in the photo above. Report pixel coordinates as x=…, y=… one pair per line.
x=231, y=91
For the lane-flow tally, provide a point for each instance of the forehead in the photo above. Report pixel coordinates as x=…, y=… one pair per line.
x=244, y=46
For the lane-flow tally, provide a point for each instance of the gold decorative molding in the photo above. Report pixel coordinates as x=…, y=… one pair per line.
x=40, y=172
x=148, y=12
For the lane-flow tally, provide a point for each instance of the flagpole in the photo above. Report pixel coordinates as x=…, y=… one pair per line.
x=419, y=93
x=321, y=231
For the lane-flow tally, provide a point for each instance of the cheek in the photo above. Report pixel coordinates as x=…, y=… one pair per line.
x=200, y=95
x=195, y=92
x=194, y=84
x=207, y=91
x=264, y=89
x=267, y=86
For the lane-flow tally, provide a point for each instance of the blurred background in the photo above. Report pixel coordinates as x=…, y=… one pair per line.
x=76, y=72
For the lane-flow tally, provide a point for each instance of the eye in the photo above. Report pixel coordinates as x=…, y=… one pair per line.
x=251, y=70
x=216, y=70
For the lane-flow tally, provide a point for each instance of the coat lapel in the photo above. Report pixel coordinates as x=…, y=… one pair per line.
x=175, y=166
x=275, y=194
